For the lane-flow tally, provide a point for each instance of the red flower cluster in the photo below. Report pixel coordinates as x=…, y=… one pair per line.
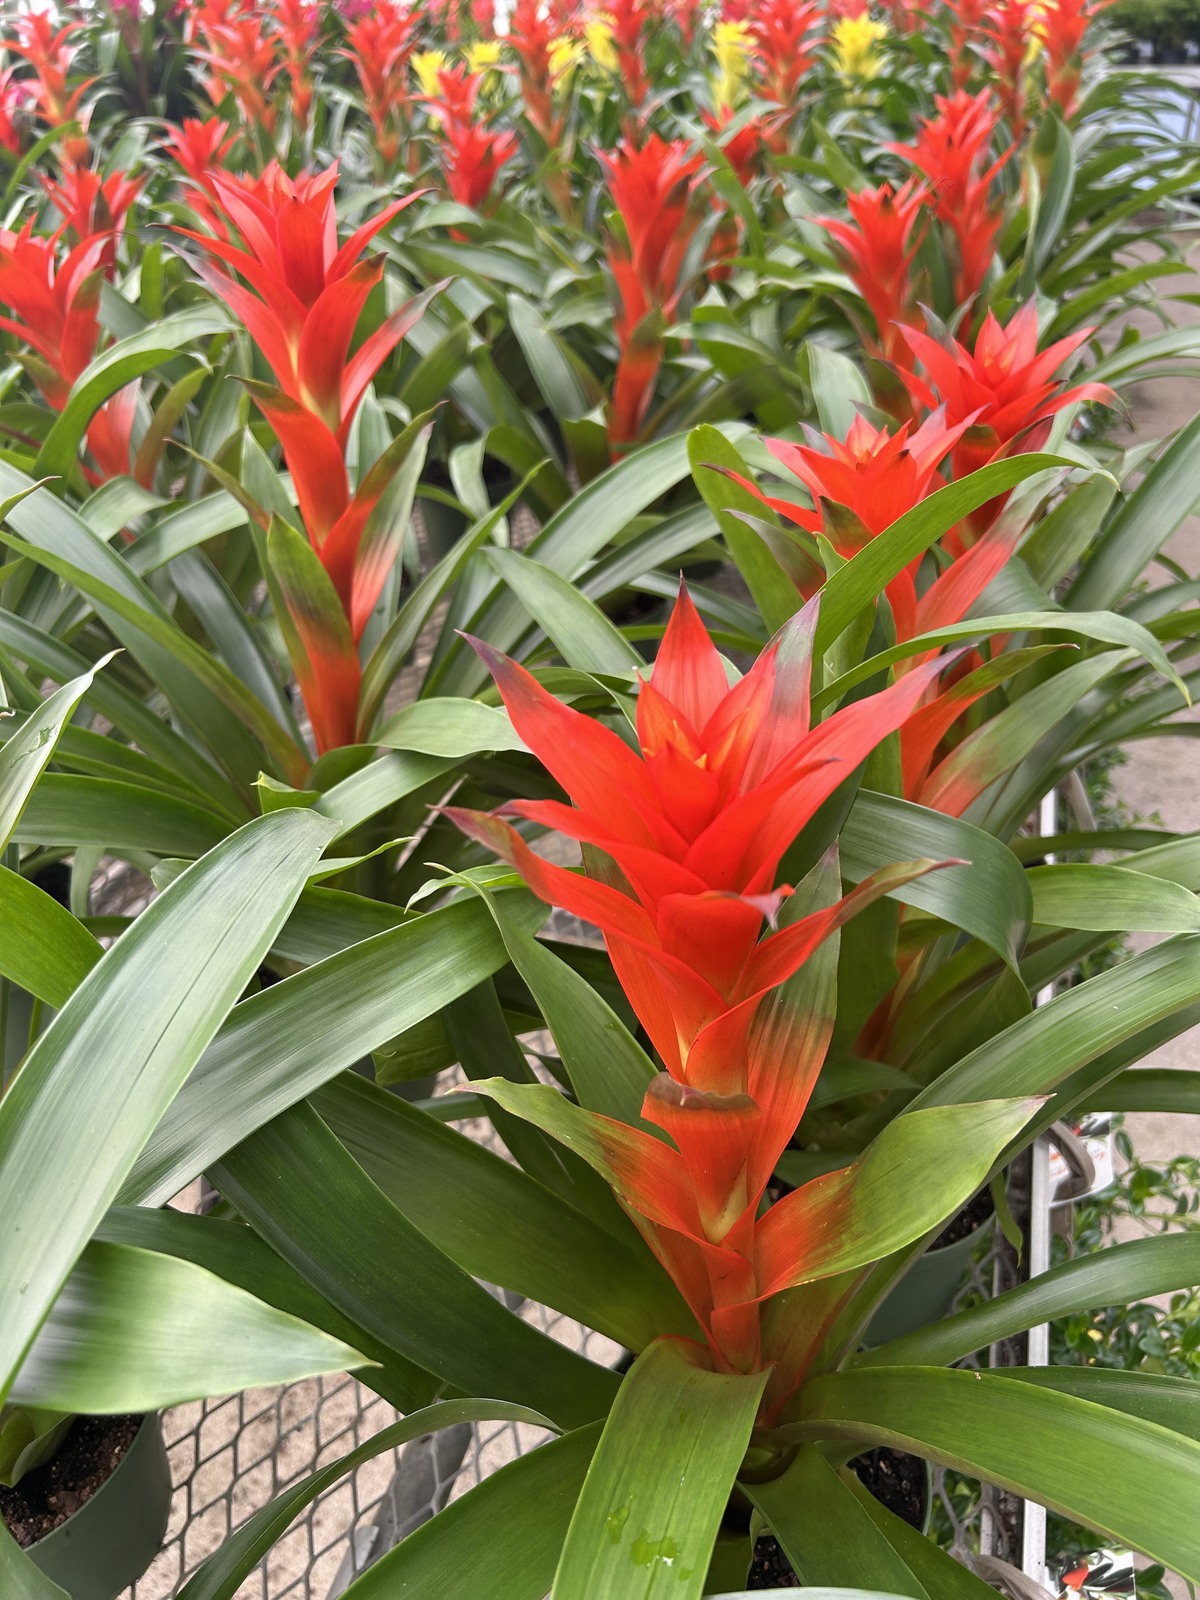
x=1061, y=26
x=299, y=23
x=241, y=53
x=379, y=45
x=879, y=243
x=301, y=301
x=472, y=156
x=1002, y=393
x=627, y=19
x=199, y=150
x=966, y=22
x=785, y=41
x=49, y=52
x=15, y=96
x=655, y=191
x=952, y=155
x=1011, y=29
x=58, y=304
x=685, y=837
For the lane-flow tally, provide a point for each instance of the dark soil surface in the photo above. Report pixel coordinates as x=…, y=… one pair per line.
x=974, y=1213
x=49, y=1494
x=895, y=1479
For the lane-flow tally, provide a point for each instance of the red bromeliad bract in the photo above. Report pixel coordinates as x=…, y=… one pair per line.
x=58, y=302
x=863, y=484
x=303, y=305
x=379, y=45
x=683, y=839
x=654, y=191
x=951, y=153
x=1004, y=391
x=786, y=38
x=880, y=242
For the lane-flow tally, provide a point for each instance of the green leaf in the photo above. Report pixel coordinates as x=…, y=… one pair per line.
x=94, y=1086
x=827, y=1536
x=1129, y=1479
x=42, y=947
x=855, y=586
x=1037, y=1053
x=658, y=1485
x=1141, y=525
x=1119, y=1275
x=366, y=1258
x=838, y=387
x=19, y=1578
x=26, y=754
x=773, y=591
x=416, y=609
x=579, y=630
x=498, y=1222
x=120, y=364
x=132, y=1331
x=220, y=1577
x=29, y=1436
x=449, y=727
x=235, y=1254
x=69, y=809
x=588, y=522
x=203, y=690
x=1007, y=738
x=989, y=899
x=316, y=632
x=1173, y=1403
x=555, y=371
x=608, y=1069
x=932, y=1566
x=1085, y=895
x=500, y=1540
x=864, y=1212
x=283, y=1043
x=1174, y=1090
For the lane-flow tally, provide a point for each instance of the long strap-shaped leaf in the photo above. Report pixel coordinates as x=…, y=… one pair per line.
x=98, y=1080
x=1118, y=1275
x=129, y=358
x=25, y=756
x=222, y=1574
x=363, y=1254
x=19, y=1578
x=500, y=1541
x=135, y=1331
x=1130, y=1479
x=42, y=947
x=283, y=1043
x=238, y=1256
x=866, y=574
x=658, y=1485
x=825, y=1533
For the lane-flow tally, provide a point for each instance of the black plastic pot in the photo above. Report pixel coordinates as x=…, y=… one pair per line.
x=926, y=1290
x=110, y=1541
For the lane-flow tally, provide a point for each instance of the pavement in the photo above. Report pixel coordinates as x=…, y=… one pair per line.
x=1162, y=776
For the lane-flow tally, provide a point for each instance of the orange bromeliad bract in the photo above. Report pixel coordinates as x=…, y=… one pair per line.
x=683, y=839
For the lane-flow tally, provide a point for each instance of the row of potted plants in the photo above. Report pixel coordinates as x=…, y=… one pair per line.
x=345, y=518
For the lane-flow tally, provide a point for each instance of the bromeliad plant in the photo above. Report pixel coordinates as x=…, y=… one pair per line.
x=809, y=1035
